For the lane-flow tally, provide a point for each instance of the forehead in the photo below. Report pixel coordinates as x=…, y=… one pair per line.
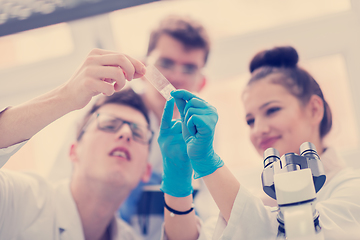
x=124, y=112
x=263, y=91
x=169, y=47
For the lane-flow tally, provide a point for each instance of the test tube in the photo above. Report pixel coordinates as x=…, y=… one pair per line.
x=154, y=76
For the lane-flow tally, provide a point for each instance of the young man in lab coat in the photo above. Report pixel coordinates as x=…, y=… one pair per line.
x=179, y=48
x=109, y=157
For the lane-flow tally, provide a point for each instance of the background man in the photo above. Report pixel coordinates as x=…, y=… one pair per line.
x=179, y=48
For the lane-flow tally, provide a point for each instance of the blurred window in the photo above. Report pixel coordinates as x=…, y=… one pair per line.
x=226, y=17
x=35, y=45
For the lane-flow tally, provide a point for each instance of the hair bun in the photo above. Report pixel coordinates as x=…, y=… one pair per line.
x=285, y=56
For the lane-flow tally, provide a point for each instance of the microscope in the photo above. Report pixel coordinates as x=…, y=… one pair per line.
x=293, y=181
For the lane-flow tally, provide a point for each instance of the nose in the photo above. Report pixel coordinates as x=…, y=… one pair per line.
x=175, y=76
x=124, y=132
x=260, y=128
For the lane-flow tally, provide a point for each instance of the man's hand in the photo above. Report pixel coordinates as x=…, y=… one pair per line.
x=102, y=72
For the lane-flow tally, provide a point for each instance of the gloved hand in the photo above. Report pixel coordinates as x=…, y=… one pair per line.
x=199, y=120
x=177, y=173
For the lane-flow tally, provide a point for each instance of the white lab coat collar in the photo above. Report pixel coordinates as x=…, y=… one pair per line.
x=67, y=215
x=69, y=222
x=332, y=163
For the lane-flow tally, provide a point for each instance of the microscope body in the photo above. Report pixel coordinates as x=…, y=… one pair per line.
x=293, y=181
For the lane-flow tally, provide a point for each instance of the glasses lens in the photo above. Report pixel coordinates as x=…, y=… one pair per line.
x=112, y=124
x=108, y=123
x=165, y=63
x=140, y=133
x=190, y=69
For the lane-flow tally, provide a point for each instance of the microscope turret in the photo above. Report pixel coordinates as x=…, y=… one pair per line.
x=293, y=181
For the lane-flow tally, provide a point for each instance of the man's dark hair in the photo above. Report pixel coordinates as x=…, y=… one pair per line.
x=125, y=97
x=184, y=29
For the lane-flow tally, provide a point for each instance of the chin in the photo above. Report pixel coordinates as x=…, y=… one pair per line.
x=114, y=177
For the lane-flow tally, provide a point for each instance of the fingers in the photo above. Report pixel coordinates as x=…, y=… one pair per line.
x=106, y=73
x=167, y=114
x=102, y=87
x=102, y=72
x=130, y=67
x=140, y=69
x=177, y=128
x=196, y=103
x=182, y=97
x=98, y=51
x=183, y=94
x=110, y=58
x=198, y=115
x=205, y=111
x=180, y=103
x=202, y=125
x=112, y=67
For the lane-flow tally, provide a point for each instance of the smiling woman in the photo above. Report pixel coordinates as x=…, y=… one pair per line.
x=284, y=105
x=284, y=108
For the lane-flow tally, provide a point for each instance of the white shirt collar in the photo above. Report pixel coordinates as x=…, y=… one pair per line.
x=67, y=215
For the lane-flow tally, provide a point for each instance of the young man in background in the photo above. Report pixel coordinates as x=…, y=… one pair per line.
x=179, y=48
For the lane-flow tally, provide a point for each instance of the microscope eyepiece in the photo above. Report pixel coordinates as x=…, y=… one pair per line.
x=270, y=155
x=307, y=147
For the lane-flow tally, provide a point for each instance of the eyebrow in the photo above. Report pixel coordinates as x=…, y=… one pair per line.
x=263, y=106
x=184, y=64
x=166, y=59
x=122, y=119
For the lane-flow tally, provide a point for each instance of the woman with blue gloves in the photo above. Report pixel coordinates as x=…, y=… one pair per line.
x=284, y=107
x=187, y=146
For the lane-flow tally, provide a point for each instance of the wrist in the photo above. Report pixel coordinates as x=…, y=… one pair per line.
x=207, y=165
x=72, y=98
x=178, y=205
x=174, y=212
x=176, y=184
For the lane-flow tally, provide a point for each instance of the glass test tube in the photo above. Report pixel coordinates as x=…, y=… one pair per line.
x=154, y=76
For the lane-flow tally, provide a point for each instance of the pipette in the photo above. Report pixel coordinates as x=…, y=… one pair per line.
x=154, y=76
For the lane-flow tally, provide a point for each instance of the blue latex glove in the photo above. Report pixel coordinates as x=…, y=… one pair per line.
x=199, y=120
x=177, y=171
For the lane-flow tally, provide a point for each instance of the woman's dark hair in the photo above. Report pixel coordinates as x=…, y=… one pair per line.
x=125, y=97
x=283, y=60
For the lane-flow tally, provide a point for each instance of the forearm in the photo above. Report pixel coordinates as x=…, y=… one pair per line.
x=21, y=122
x=102, y=72
x=223, y=187
x=180, y=226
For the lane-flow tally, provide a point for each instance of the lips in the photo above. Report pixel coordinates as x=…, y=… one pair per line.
x=120, y=152
x=268, y=142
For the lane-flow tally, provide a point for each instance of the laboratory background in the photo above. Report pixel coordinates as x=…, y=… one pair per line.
x=326, y=34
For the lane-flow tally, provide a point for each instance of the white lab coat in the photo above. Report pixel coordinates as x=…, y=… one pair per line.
x=32, y=208
x=338, y=203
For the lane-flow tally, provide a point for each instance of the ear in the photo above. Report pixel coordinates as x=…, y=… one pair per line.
x=147, y=173
x=73, y=152
x=316, y=107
